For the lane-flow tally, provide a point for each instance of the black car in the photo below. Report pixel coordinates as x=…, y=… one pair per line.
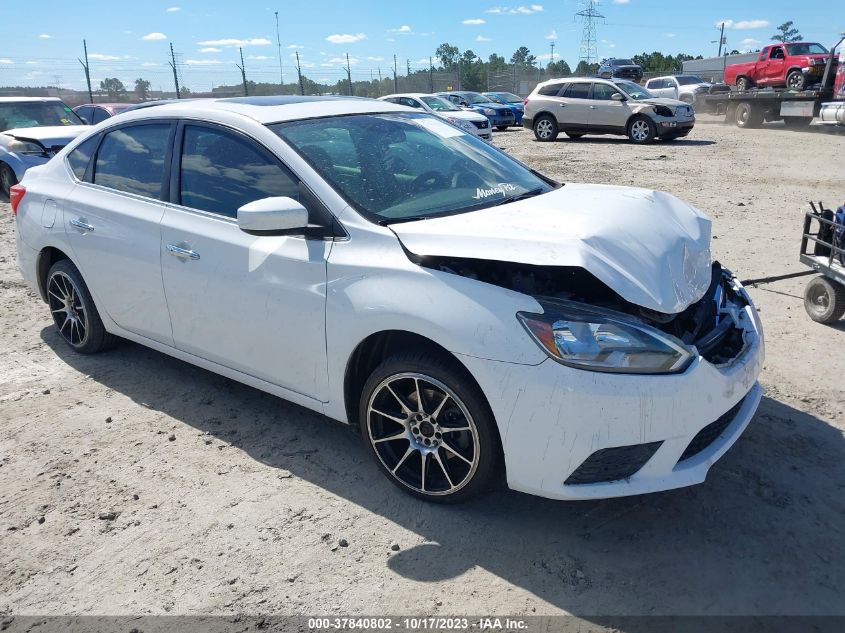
x=620, y=68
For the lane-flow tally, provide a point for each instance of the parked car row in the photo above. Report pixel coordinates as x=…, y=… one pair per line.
x=477, y=320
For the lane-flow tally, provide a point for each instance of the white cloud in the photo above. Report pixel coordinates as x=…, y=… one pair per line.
x=202, y=62
x=425, y=61
x=6, y=61
x=211, y=49
x=231, y=41
x=749, y=43
x=45, y=36
x=552, y=35
x=295, y=47
x=534, y=8
x=173, y=9
x=258, y=57
x=621, y=1
x=481, y=38
x=102, y=58
x=149, y=64
x=743, y=25
x=342, y=61
x=474, y=21
x=402, y=30
x=374, y=59
x=670, y=35
x=346, y=38
x=31, y=63
x=154, y=36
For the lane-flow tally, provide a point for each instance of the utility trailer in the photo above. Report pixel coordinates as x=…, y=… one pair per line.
x=796, y=108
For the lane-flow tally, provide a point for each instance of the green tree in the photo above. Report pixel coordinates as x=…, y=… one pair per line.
x=559, y=69
x=496, y=63
x=583, y=69
x=787, y=33
x=114, y=87
x=448, y=55
x=142, y=89
x=523, y=57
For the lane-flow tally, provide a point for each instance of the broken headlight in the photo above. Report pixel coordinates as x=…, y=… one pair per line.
x=27, y=147
x=594, y=339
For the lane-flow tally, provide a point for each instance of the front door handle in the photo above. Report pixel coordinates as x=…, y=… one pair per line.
x=562, y=105
x=593, y=107
x=184, y=253
x=80, y=224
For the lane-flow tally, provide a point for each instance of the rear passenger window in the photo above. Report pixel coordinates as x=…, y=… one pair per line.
x=577, y=91
x=80, y=158
x=100, y=115
x=131, y=159
x=551, y=90
x=221, y=172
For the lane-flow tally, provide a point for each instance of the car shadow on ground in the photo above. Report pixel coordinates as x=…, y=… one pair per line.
x=763, y=535
x=621, y=140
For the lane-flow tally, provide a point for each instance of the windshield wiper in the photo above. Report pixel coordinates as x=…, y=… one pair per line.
x=413, y=218
x=523, y=196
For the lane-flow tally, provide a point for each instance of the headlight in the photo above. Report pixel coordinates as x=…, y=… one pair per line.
x=462, y=123
x=594, y=339
x=489, y=112
x=662, y=110
x=25, y=147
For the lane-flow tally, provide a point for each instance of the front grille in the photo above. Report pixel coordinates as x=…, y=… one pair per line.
x=710, y=433
x=613, y=464
x=481, y=125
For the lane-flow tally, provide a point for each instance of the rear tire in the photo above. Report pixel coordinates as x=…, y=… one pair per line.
x=73, y=310
x=824, y=300
x=641, y=130
x=436, y=448
x=743, y=83
x=7, y=179
x=502, y=128
x=747, y=116
x=546, y=129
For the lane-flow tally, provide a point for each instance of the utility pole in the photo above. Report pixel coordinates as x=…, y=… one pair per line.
x=721, y=39
x=395, y=78
x=589, y=14
x=279, y=44
x=431, y=74
x=87, y=73
x=552, y=60
x=173, y=66
x=243, y=72
x=349, y=75
x=299, y=72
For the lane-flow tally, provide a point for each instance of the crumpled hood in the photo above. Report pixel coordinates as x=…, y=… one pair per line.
x=674, y=103
x=49, y=135
x=648, y=246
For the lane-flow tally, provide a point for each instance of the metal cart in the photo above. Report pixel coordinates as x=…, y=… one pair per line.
x=824, y=297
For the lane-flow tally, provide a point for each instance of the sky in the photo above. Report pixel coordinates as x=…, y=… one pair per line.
x=129, y=40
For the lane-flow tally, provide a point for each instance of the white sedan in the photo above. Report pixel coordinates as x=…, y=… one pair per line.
x=466, y=119
x=478, y=320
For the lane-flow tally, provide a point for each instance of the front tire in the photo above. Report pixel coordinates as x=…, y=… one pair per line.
x=7, y=179
x=642, y=130
x=73, y=310
x=795, y=80
x=546, y=129
x=743, y=84
x=430, y=428
x=824, y=300
x=502, y=128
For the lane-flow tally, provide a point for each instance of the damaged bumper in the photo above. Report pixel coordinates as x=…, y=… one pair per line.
x=574, y=434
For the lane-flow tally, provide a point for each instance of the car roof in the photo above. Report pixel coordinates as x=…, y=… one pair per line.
x=416, y=95
x=30, y=99
x=273, y=109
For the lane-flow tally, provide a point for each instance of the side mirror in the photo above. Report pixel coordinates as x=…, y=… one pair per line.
x=272, y=216
x=618, y=96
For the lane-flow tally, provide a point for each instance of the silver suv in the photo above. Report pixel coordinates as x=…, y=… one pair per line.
x=580, y=106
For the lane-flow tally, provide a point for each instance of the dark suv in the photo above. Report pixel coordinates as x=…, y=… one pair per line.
x=620, y=68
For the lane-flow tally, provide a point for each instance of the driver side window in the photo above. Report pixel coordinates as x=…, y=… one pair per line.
x=777, y=53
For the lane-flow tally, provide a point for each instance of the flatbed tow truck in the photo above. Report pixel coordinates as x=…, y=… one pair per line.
x=796, y=108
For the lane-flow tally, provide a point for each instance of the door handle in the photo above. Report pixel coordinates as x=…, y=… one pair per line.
x=562, y=105
x=184, y=253
x=81, y=225
x=593, y=107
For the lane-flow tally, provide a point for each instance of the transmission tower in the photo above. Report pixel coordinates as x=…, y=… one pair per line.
x=589, y=15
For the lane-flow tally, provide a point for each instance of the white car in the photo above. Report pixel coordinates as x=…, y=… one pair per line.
x=686, y=88
x=386, y=269
x=464, y=118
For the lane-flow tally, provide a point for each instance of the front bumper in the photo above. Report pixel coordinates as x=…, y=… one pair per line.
x=21, y=162
x=553, y=418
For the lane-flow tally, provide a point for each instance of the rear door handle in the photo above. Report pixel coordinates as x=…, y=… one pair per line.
x=183, y=253
x=593, y=107
x=562, y=105
x=80, y=224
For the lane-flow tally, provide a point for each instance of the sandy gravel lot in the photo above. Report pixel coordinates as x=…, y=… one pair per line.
x=132, y=483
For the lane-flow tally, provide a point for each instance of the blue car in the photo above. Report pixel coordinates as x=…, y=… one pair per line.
x=32, y=130
x=514, y=102
x=501, y=116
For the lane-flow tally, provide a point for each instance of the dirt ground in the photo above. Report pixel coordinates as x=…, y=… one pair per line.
x=132, y=483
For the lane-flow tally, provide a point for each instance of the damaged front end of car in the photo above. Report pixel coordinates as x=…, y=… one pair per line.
x=587, y=325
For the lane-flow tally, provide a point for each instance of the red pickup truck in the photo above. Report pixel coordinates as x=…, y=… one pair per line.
x=795, y=65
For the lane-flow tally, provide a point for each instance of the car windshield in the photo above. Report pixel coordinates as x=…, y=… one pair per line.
x=506, y=97
x=473, y=98
x=439, y=104
x=36, y=114
x=406, y=166
x=622, y=62
x=806, y=49
x=689, y=80
x=635, y=91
